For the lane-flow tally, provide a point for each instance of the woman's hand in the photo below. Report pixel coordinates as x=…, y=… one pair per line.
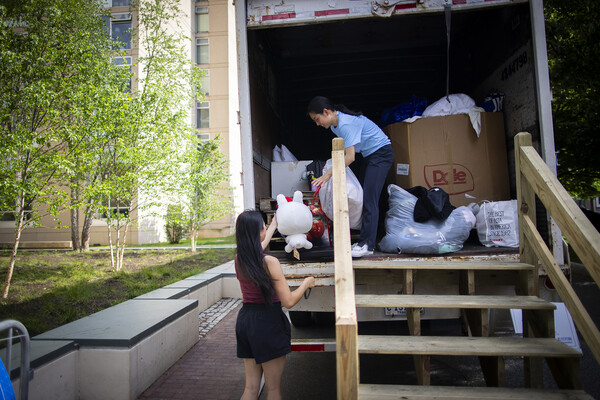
x=288, y=297
x=309, y=281
x=322, y=179
x=270, y=232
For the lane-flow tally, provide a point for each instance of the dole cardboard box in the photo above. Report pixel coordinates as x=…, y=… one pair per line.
x=446, y=152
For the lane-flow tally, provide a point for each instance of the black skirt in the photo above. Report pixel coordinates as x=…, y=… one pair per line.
x=263, y=332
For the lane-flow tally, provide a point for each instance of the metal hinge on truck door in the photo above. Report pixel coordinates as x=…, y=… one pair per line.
x=385, y=8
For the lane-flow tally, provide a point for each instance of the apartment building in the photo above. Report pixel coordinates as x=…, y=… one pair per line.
x=210, y=25
x=215, y=51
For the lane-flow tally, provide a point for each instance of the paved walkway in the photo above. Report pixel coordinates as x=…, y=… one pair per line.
x=210, y=369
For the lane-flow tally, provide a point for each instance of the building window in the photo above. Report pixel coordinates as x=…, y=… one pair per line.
x=202, y=115
x=119, y=28
x=202, y=51
x=10, y=215
x=201, y=19
x=205, y=82
x=113, y=206
x=203, y=136
x=124, y=62
x=116, y=3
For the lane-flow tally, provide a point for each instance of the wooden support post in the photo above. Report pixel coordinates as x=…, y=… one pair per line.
x=477, y=321
x=538, y=323
x=347, y=368
x=413, y=318
x=346, y=359
x=526, y=203
x=494, y=371
x=407, y=282
x=566, y=372
x=422, y=362
x=492, y=367
x=525, y=199
x=527, y=283
x=423, y=369
x=466, y=286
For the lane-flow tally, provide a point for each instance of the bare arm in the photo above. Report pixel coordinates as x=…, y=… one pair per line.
x=349, y=156
x=288, y=298
x=270, y=232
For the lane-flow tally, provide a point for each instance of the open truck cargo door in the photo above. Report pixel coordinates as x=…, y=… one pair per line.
x=288, y=52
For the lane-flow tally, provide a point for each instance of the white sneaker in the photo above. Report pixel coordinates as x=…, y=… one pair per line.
x=360, y=251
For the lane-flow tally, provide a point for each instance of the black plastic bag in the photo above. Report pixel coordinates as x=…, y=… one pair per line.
x=433, y=203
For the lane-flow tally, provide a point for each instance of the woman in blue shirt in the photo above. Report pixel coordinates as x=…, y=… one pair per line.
x=361, y=135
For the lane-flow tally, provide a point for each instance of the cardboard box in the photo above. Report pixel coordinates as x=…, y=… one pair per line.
x=446, y=152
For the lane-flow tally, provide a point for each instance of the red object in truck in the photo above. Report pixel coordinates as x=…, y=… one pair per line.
x=318, y=228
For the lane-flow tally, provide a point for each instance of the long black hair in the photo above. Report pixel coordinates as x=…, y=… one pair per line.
x=250, y=256
x=319, y=103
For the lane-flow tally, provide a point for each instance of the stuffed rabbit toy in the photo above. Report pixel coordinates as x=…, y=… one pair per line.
x=294, y=221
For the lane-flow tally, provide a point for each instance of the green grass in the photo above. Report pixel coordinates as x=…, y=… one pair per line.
x=201, y=241
x=49, y=289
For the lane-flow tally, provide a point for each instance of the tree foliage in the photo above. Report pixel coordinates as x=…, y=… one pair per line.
x=52, y=54
x=151, y=127
x=573, y=29
x=201, y=190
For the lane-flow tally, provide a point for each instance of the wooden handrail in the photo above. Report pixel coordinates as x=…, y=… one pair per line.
x=534, y=177
x=345, y=307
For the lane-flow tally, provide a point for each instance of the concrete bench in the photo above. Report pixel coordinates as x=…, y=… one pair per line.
x=207, y=287
x=125, y=348
x=52, y=361
x=128, y=345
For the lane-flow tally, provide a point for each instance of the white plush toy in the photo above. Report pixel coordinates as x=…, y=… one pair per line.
x=294, y=220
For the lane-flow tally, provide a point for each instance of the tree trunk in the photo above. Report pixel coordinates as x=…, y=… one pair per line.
x=86, y=231
x=193, y=240
x=121, y=250
x=75, y=230
x=13, y=255
x=75, y=220
x=110, y=244
x=118, y=243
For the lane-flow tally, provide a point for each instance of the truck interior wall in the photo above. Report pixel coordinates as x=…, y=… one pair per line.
x=509, y=70
x=372, y=64
x=265, y=132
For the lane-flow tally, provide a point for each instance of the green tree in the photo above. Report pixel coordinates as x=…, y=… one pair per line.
x=203, y=194
x=572, y=30
x=51, y=53
x=151, y=129
x=89, y=156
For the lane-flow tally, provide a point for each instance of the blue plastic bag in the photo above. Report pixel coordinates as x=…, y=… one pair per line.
x=403, y=111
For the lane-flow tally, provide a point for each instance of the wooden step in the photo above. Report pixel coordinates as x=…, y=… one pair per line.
x=441, y=265
x=468, y=346
x=453, y=301
x=408, y=392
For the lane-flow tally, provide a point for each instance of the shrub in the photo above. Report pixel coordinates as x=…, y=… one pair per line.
x=174, y=227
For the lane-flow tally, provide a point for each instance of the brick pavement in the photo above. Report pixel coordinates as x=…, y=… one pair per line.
x=210, y=369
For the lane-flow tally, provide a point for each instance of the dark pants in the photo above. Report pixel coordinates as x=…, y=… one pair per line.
x=376, y=167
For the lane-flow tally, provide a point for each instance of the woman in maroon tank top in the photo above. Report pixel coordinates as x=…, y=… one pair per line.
x=262, y=330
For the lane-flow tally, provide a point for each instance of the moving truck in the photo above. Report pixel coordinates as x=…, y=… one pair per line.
x=371, y=56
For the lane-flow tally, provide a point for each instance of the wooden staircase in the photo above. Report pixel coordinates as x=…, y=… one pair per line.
x=538, y=316
x=538, y=342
